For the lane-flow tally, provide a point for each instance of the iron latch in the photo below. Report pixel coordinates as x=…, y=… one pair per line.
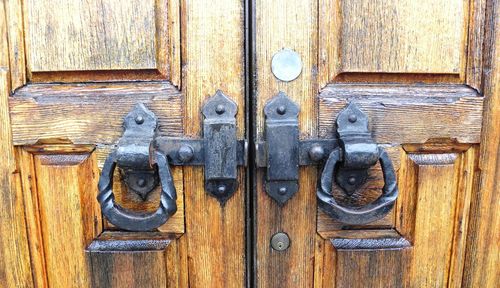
x=218, y=151
x=282, y=152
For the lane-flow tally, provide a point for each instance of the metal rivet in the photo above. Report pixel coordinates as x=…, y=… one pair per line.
x=280, y=241
x=352, y=118
x=220, y=109
x=141, y=182
x=351, y=180
x=185, y=153
x=282, y=190
x=139, y=119
x=221, y=189
x=286, y=65
x=281, y=110
x=316, y=153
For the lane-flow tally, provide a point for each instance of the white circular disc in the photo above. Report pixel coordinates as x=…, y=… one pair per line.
x=286, y=65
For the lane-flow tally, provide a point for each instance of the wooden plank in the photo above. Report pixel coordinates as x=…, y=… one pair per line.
x=370, y=262
x=89, y=113
x=91, y=35
x=482, y=258
x=15, y=268
x=475, y=44
x=398, y=36
x=400, y=113
x=14, y=16
x=213, y=51
x=131, y=259
x=286, y=24
x=435, y=190
x=68, y=213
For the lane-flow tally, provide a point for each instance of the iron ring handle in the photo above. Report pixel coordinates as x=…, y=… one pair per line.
x=130, y=220
x=357, y=215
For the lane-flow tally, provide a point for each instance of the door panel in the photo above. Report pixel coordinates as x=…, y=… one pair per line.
x=425, y=74
x=414, y=69
x=76, y=69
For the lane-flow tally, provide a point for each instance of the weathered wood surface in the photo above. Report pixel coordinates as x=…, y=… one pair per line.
x=397, y=37
x=483, y=248
x=16, y=57
x=213, y=59
x=292, y=25
x=91, y=35
x=131, y=259
x=401, y=113
x=15, y=266
x=89, y=113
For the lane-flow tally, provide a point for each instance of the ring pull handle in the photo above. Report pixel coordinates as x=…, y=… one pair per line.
x=357, y=215
x=132, y=155
x=130, y=220
x=357, y=153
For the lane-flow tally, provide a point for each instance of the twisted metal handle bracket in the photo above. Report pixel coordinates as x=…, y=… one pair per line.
x=130, y=220
x=357, y=215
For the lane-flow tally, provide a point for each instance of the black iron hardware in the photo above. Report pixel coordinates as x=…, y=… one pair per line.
x=282, y=153
x=219, y=151
x=357, y=153
x=132, y=156
x=354, y=152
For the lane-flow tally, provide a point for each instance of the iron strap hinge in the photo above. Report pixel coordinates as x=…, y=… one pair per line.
x=283, y=152
x=219, y=152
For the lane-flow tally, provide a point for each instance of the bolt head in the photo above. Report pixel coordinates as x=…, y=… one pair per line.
x=316, y=153
x=282, y=190
x=281, y=110
x=139, y=119
x=141, y=182
x=351, y=180
x=185, y=153
x=221, y=189
x=352, y=118
x=220, y=109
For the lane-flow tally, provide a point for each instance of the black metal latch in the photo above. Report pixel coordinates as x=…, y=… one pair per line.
x=218, y=151
x=351, y=154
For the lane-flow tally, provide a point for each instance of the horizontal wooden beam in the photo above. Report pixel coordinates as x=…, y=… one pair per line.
x=89, y=113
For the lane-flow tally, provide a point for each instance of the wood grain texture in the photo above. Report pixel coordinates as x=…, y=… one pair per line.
x=397, y=36
x=433, y=211
x=483, y=249
x=474, y=69
x=123, y=259
x=89, y=113
x=14, y=17
x=292, y=25
x=91, y=35
x=376, y=267
x=213, y=51
x=15, y=267
x=69, y=217
x=400, y=113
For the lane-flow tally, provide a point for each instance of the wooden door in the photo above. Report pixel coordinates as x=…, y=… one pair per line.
x=69, y=72
x=426, y=74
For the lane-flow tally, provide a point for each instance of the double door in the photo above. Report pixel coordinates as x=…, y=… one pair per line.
x=287, y=143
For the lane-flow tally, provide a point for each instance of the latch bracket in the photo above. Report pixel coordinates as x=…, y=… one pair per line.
x=282, y=152
x=218, y=151
x=133, y=151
